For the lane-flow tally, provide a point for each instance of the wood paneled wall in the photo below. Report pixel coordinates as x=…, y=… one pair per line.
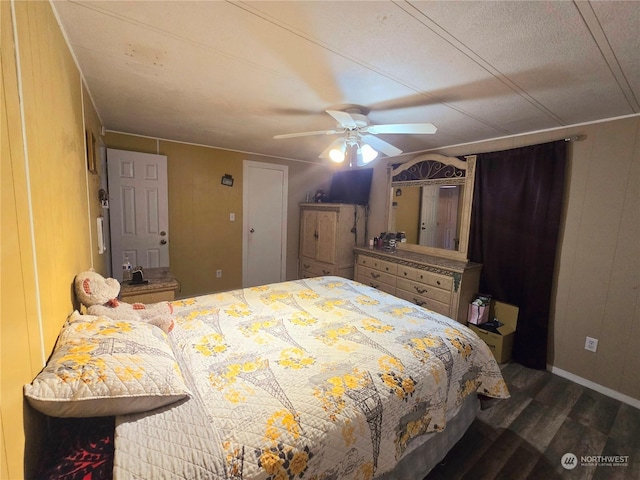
x=46, y=228
x=49, y=208
x=202, y=238
x=597, y=277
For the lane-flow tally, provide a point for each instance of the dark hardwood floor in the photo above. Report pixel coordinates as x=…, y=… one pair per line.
x=547, y=416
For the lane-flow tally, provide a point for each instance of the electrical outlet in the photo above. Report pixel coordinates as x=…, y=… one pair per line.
x=591, y=344
x=232, y=217
x=218, y=273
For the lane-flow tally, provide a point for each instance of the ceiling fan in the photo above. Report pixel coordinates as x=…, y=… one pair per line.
x=358, y=136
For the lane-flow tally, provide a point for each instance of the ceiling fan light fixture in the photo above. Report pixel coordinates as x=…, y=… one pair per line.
x=337, y=154
x=368, y=153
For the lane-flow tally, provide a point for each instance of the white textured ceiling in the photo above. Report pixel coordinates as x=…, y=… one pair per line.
x=234, y=74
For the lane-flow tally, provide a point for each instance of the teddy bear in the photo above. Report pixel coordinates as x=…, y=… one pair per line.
x=100, y=296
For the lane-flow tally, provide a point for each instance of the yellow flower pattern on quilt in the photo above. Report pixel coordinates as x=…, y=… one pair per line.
x=104, y=367
x=376, y=326
x=295, y=359
x=211, y=344
x=292, y=366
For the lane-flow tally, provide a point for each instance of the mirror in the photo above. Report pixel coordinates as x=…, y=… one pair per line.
x=437, y=209
x=430, y=202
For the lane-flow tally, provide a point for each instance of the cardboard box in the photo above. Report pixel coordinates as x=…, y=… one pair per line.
x=500, y=344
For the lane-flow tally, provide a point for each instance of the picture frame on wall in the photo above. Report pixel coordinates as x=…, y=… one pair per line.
x=91, y=153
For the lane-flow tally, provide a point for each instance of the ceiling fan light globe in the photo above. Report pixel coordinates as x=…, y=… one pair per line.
x=368, y=153
x=336, y=155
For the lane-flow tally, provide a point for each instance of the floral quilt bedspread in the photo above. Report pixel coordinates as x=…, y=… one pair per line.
x=317, y=378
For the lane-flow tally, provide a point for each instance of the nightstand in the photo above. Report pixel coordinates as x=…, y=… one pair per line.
x=161, y=286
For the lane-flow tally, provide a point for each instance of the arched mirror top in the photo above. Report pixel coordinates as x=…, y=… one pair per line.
x=430, y=201
x=431, y=169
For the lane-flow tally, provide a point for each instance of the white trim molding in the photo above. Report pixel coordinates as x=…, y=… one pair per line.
x=595, y=386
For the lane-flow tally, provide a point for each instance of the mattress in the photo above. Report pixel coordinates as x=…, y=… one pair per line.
x=319, y=378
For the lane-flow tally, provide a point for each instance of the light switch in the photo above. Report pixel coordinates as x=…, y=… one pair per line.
x=232, y=217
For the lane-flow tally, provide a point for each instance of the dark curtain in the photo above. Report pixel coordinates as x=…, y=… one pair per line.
x=517, y=205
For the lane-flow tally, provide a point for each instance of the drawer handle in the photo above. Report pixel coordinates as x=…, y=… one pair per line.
x=418, y=302
x=386, y=268
x=404, y=273
x=326, y=272
x=374, y=286
x=421, y=291
x=438, y=282
x=305, y=266
x=375, y=275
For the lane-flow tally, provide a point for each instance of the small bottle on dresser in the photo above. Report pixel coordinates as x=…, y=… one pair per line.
x=126, y=270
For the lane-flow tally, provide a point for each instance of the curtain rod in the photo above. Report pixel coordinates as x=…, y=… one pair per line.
x=575, y=138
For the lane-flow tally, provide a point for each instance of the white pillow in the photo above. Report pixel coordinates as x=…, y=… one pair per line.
x=103, y=367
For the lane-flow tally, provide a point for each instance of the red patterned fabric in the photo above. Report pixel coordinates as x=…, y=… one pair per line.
x=80, y=449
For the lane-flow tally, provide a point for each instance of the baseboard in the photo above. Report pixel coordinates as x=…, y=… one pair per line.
x=595, y=386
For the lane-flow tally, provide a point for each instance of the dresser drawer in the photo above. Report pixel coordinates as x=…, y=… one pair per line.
x=376, y=275
x=435, y=280
x=385, y=287
x=384, y=266
x=409, y=273
x=424, y=290
x=428, y=278
x=440, y=284
x=365, y=261
x=428, y=303
x=310, y=268
x=377, y=264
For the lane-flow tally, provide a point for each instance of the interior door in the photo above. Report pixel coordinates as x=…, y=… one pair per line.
x=138, y=210
x=448, y=218
x=265, y=188
x=428, y=215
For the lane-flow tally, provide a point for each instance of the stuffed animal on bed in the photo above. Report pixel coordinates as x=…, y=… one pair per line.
x=100, y=296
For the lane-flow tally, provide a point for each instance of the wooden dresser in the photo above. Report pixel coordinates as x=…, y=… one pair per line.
x=327, y=239
x=439, y=284
x=161, y=286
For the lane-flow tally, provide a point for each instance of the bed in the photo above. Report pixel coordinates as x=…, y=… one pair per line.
x=321, y=378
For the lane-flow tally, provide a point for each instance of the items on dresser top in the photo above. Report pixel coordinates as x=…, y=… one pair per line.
x=440, y=284
x=156, y=285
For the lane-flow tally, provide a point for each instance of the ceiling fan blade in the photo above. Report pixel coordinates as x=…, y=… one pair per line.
x=306, y=134
x=338, y=143
x=343, y=118
x=382, y=146
x=403, y=128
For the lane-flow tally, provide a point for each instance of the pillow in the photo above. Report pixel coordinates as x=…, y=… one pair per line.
x=102, y=367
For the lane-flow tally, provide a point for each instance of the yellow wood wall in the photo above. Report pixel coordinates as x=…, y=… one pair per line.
x=46, y=203
x=49, y=203
x=202, y=239
x=408, y=212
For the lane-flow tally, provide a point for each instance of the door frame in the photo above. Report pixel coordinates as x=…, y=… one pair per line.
x=247, y=164
x=114, y=156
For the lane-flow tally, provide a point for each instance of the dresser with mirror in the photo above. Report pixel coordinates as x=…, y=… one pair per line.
x=429, y=206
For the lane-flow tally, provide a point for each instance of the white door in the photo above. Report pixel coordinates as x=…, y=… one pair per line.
x=264, y=241
x=428, y=216
x=138, y=210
